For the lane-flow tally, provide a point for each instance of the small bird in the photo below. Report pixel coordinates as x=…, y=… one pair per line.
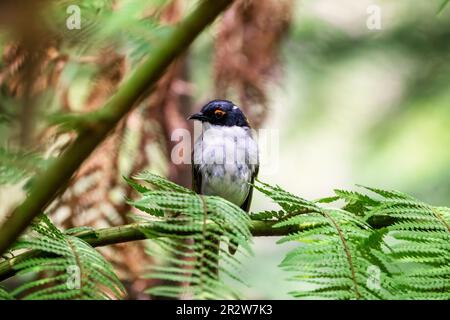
x=225, y=156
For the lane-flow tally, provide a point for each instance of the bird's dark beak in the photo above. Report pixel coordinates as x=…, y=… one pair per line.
x=198, y=116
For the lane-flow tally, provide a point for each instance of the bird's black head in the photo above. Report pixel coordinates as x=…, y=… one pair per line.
x=221, y=113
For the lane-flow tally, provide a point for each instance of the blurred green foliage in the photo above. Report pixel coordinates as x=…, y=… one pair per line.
x=384, y=91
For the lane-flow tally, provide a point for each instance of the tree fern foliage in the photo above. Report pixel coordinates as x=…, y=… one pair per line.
x=377, y=244
x=4, y=295
x=194, y=262
x=15, y=166
x=328, y=260
x=418, y=236
x=128, y=28
x=71, y=268
x=385, y=246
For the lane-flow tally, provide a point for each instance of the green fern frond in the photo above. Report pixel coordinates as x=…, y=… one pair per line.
x=356, y=202
x=72, y=268
x=15, y=166
x=330, y=261
x=419, y=240
x=353, y=196
x=192, y=253
x=332, y=251
x=4, y=295
x=287, y=201
x=388, y=194
x=159, y=183
x=268, y=215
x=327, y=199
x=132, y=30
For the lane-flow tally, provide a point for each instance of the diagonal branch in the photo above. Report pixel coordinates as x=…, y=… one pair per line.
x=49, y=183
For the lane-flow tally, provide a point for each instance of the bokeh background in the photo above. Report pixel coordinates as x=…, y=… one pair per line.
x=351, y=105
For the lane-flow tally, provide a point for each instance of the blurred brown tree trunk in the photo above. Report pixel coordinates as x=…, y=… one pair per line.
x=246, y=53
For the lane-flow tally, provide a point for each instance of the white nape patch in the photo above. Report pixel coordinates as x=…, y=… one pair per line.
x=235, y=107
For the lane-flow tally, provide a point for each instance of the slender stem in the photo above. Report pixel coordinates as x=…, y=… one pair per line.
x=133, y=232
x=53, y=181
x=347, y=252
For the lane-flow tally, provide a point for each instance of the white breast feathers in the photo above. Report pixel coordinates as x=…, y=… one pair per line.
x=227, y=158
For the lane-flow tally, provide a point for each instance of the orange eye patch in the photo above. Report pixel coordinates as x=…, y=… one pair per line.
x=219, y=113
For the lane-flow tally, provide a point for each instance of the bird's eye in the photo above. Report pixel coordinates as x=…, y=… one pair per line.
x=219, y=113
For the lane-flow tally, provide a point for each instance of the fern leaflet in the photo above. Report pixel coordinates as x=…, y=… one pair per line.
x=72, y=268
x=199, y=224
